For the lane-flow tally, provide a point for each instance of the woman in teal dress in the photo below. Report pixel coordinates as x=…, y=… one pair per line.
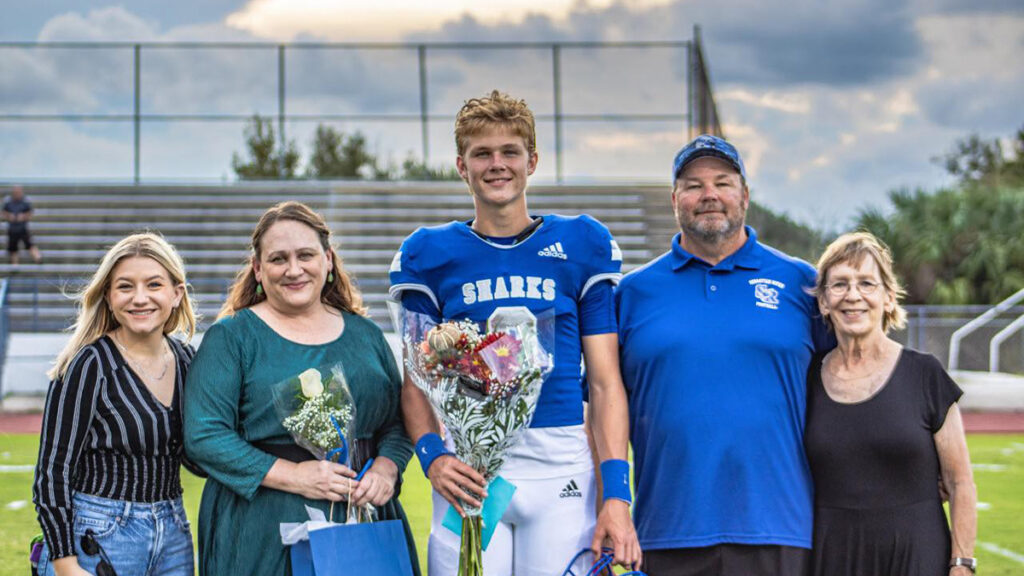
x=291, y=308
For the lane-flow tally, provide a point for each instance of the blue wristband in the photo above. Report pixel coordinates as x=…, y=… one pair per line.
x=615, y=480
x=429, y=447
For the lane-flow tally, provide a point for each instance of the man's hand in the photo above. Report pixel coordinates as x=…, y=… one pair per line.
x=615, y=530
x=456, y=482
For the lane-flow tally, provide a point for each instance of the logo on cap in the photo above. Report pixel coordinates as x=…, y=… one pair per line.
x=707, y=145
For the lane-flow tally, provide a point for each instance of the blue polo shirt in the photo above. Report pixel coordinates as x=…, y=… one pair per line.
x=714, y=360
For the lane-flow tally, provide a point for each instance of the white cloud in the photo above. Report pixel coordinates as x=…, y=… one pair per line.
x=902, y=103
x=829, y=116
x=791, y=103
x=390, y=20
x=55, y=150
x=754, y=145
x=621, y=141
x=109, y=23
x=973, y=46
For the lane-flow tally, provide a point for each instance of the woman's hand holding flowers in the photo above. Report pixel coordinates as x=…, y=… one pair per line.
x=323, y=480
x=378, y=484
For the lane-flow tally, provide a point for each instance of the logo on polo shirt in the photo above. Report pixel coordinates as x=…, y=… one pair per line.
x=766, y=292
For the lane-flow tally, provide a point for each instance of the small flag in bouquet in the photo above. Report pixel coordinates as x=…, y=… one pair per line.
x=484, y=386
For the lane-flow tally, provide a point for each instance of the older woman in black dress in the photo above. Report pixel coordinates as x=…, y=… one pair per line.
x=882, y=425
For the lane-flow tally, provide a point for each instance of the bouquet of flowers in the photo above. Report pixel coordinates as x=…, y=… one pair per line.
x=484, y=387
x=317, y=409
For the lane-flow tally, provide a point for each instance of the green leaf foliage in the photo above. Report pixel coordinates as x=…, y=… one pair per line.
x=337, y=155
x=264, y=160
x=963, y=244
x=783, y=233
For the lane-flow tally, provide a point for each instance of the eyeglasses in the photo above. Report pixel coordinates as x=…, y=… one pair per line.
x=841, y=288
x=91, y=548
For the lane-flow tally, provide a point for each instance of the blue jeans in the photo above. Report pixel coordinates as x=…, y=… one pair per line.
x=140, y=539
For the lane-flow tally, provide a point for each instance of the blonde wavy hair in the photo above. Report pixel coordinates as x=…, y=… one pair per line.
x=341, y=292
x=497, y=109
x=95, y=318
x=852, y=248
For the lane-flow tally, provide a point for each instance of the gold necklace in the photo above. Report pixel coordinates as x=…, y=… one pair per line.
x=134, y=364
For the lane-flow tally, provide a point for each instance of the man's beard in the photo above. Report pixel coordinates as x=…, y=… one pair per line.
x=711, y=231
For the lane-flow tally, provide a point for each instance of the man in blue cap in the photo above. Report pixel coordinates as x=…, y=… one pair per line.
x=715, y=338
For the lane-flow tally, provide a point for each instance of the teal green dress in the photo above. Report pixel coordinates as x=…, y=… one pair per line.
x=229, y=406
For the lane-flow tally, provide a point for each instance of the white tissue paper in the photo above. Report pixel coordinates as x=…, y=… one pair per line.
x=292, y=532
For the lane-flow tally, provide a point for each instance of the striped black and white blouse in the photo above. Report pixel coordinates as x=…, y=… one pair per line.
x=105, y=434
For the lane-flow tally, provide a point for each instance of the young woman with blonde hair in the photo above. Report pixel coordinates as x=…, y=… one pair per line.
x=108, y=487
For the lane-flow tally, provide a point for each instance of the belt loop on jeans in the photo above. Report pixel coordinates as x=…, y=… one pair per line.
x=125, y=513
x=177, y=513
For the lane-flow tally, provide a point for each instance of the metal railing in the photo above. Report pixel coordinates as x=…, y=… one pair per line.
x=997, y=341
x=697, y=110
x=986, y=317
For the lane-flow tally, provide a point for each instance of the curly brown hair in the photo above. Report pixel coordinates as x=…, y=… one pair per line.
x=497, y=109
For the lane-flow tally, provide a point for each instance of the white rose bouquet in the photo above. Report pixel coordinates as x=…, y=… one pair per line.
x=317, y=409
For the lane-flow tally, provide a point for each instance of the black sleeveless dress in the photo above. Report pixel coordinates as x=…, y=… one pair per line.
x=877, y=510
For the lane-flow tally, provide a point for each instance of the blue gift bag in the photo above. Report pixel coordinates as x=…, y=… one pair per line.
x=369, y=549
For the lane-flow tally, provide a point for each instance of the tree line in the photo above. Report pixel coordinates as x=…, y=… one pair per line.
x=334, y=155
x=960, y=244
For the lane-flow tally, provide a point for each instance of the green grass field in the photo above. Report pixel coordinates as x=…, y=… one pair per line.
x=998, y=462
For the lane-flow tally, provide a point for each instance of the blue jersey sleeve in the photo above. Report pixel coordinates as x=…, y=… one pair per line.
x=597, y=310
x=407, y=272
x=604, y=263
x=420, y=303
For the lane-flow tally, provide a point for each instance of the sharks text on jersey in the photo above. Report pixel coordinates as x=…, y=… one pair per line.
x=505, y=287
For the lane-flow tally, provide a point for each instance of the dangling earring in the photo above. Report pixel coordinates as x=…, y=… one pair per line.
x=259, y=289
x=330, y=277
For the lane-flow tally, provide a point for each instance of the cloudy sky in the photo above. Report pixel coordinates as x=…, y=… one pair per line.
x=832, y=103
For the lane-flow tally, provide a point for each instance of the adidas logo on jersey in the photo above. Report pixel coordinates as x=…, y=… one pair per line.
x=571, y=490
x=554, y=251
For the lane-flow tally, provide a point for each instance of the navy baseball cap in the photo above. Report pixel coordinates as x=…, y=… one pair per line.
x=707, y=145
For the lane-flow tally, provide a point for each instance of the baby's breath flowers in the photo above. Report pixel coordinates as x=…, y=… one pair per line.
x=313, y=421
x=308, y=402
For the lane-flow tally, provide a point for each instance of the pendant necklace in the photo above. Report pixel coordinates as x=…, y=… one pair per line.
x=145, y=373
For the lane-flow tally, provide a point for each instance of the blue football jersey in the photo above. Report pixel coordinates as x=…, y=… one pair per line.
x=467, y=276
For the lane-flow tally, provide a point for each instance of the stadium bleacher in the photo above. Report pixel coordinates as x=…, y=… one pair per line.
x=211, y=224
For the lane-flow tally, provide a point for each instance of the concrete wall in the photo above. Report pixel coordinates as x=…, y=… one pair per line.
x=30, y=355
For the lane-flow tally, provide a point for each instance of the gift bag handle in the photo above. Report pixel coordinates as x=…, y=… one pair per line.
x=603, y=565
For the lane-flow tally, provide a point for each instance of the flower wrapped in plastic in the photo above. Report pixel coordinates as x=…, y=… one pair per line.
x=317, y=409
x=484, y=386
